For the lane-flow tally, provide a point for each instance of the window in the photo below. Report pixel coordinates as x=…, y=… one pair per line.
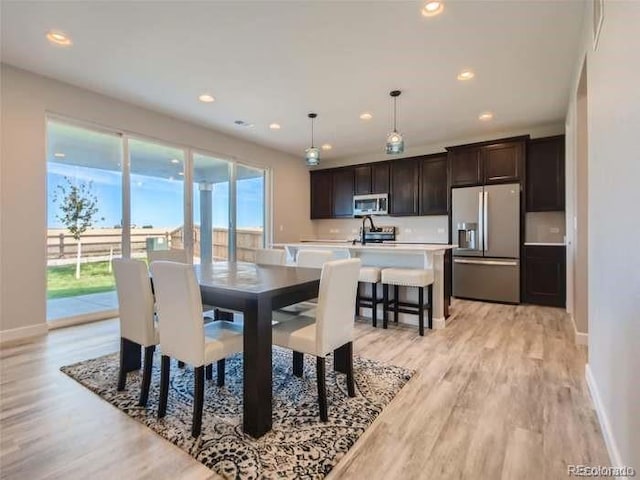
x=84, y=212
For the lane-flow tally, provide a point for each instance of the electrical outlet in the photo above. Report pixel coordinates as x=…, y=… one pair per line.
x=554, y=230
x=354, y=230
x=441, y=230
x=407, y=230
x=281, y=228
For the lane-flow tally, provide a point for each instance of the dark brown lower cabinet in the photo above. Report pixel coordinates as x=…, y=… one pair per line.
x=545, y=275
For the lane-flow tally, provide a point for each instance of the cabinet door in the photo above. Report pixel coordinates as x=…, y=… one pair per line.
x=465, y=167
x=321, y=193
x=380, y=178
x=404, y=187
x=433, y=186
x=545, y=280
x=502, y=162
x=343, y=192
x=545, y=174
x=363, y=180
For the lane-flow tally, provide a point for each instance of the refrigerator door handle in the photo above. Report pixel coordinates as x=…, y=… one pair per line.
x=480, y=222
x=505, y=263
x=485, y=223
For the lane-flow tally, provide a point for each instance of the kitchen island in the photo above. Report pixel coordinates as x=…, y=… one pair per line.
x=391, y=254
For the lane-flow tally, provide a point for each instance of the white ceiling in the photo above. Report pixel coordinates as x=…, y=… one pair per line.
x=276, y=61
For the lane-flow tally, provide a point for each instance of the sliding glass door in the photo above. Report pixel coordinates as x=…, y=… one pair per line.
x=113, y=194
x=157, y=197
x=84, y=218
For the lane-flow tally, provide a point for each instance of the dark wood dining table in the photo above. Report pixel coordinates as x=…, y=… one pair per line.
x=254, y=290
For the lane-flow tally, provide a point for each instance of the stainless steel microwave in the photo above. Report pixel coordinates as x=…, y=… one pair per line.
x=375, y=204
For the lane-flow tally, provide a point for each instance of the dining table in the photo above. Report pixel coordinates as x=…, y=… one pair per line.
x=255, y=291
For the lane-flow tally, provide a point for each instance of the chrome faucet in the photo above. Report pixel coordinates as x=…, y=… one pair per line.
x=363, y=239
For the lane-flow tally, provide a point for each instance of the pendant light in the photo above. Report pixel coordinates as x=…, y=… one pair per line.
x=312, y=154
x=395, y=142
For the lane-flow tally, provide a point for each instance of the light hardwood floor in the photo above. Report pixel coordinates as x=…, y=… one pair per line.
x=498, y=394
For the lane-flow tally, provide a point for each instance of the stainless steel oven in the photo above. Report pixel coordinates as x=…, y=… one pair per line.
x=374, y=204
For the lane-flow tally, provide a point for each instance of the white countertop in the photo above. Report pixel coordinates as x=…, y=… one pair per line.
x=385, y=247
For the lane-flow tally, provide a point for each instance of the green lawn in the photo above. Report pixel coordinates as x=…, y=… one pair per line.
x=94, y=278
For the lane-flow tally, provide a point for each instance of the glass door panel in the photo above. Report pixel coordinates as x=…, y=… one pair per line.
x=210, y=208
x=84, y=216
x=250, y=211
x=157, y=197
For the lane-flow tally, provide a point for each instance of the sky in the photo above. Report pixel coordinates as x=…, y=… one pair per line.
x=155, y=202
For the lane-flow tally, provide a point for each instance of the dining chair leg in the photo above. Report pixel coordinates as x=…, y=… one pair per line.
x=221, y=367
x=430, y=314
x=385, y=305
x=396, y=299
x=322, y=388
x=146, y=375
x=421, y=311
x=122, y=375
x=298, y=364
x=165, y=370
x=351, y=387
x=198, y=400
x=208, y=372
x=358, y=299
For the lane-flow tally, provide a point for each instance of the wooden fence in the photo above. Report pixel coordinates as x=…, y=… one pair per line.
x=99, y=242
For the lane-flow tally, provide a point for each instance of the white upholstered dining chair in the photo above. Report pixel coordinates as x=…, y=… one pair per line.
x=329, y=328
x=183, y=335
x=313, y=258
x=270, y=256
x=172, y=255
x=137, y=320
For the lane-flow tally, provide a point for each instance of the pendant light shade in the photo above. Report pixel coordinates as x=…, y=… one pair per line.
x=312, y=154
x=395, y=142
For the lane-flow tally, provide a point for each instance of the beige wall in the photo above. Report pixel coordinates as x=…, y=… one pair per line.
x=613, y=198
x=26, y=98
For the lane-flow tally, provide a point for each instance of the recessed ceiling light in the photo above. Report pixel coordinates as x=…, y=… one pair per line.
x=432, y=8
x=206, y=98
x=327, y=146
x=59, y=155
x=466, y=75
x=59, y=38
x=274, y=126
x=171, y=179
x=181, y=174
x=175, y=160
x=242, y=123
x=485, y=116
x=139, y=184
x=366, y=116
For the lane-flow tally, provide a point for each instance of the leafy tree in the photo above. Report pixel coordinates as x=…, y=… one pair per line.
x=78, y=210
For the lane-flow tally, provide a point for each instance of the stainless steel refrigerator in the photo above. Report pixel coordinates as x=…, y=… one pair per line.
x=486, y=227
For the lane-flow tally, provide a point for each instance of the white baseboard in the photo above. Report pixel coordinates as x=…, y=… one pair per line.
x=579, y=338
x=81, y=319
x=605, y=425
x=23, y=332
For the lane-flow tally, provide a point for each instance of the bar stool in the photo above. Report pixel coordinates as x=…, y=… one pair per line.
x=369, y=275
x=407, y=277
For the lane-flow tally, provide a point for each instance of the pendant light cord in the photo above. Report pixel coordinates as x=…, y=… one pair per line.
x=395, y=113
x=312, y=132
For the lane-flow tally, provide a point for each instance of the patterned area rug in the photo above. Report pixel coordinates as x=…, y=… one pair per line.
x=299, y=446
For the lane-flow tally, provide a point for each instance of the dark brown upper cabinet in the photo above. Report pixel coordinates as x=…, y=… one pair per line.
x=465, y=167
x=434, y=196
x=380, y=177
x=498, y=161
x=503, y=162
x=545, y=174
x=362, y=179
x=405, y=176
x=372, y=178
x=343, y=186
x=321, y=194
